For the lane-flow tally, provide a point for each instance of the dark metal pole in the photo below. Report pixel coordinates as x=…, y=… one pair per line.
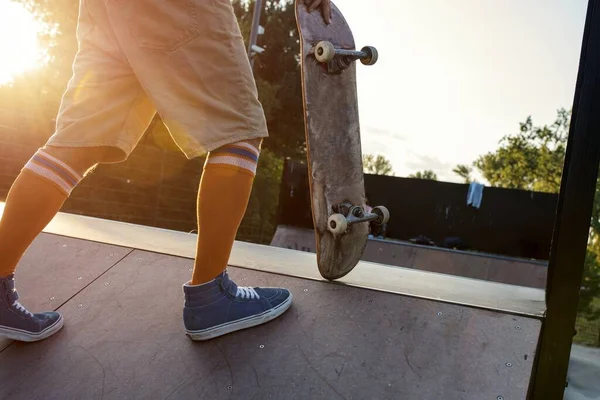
x=254, y=31
x=573, y=216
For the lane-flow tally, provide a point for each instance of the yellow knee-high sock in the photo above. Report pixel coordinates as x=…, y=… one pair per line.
x=35, y=197
x=224, y=192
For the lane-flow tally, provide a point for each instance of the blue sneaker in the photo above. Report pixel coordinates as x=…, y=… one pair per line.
x=17, y=323
x=220, y=307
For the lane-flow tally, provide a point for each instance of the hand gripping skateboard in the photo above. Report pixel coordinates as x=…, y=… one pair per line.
x=334, y=155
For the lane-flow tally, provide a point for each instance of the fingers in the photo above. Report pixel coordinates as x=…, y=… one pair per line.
x=325, y=6
x=326, y=11
x=313, y=5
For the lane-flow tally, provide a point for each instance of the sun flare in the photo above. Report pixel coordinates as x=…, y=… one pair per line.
x=19, y=47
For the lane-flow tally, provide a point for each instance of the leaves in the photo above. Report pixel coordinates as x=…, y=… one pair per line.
x=464, y=171
x=589, y=286
x=427, y=174
x=377, y=165
x=277, y=72
x=261, y=214
x=529, y=160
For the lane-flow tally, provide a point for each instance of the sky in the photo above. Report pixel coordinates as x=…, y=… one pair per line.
x=454, y=77
x=19, y=49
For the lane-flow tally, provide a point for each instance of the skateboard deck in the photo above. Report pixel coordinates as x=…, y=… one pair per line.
x=334, y=155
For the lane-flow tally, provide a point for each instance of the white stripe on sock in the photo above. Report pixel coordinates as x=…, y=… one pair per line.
x=49, y=175
x=62, y=164
x=247, y=146
x=236, y=161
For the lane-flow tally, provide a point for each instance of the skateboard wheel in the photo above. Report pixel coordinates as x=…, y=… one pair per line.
x=372, y=55
x=384, y=215
x=324, y=52
x=337, y=224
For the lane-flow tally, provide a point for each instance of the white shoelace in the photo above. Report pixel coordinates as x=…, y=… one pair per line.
x=247, y=293
x=19, y=307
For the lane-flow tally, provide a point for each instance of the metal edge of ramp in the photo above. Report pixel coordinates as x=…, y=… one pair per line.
x=434, y=286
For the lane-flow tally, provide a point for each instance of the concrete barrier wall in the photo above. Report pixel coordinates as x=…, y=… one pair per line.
x=404, y=254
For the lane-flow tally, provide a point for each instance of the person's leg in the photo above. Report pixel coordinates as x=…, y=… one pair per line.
x=103, y=114
x=204, y=90
x=35, y=197
x=222, y=200
x=214, y=304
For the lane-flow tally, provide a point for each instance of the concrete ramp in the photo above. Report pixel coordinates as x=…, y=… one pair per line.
x=365, y=337
x=584, y=370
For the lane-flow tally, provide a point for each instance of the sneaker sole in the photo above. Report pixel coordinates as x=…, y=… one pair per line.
x=259, y=319
x=25, y=336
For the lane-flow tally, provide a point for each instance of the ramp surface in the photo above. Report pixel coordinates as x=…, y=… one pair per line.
x=123, y=338
x=55, y=268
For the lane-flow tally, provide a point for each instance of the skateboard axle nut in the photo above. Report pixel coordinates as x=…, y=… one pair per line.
x=357, y=212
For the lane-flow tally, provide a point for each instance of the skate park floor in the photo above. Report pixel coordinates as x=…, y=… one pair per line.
x=381, y=332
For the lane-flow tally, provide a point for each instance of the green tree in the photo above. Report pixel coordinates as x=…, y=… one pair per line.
x=427, y=174
x=532, y=159
x=464, y=171
x=589, y=287
x=277, y=72
x=378, y=165
x=259, y=222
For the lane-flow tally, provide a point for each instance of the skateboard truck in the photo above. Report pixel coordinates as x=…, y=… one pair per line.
x=347, y=214
x=340, y=59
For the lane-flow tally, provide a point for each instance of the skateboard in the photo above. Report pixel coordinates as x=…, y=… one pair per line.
x=328, y=68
